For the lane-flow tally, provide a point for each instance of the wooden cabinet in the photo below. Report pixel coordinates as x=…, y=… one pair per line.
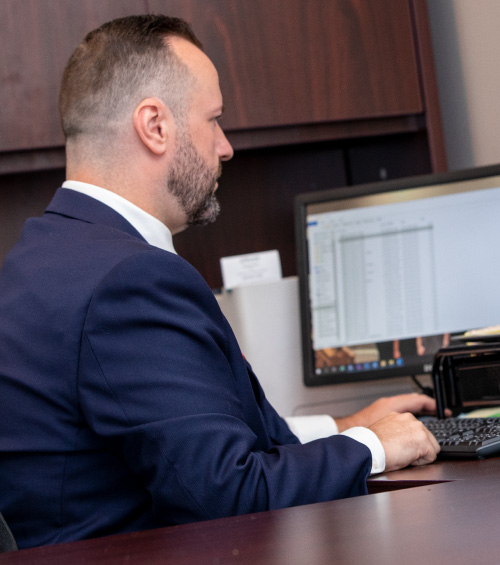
x=37, y=37
x=318, y=93
x=287, y=62
x=282, y=63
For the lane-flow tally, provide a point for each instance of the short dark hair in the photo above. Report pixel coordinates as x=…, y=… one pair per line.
x=118, y=65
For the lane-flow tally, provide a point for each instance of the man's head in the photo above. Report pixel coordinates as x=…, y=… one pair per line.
x=118, y=65
x=140, y=99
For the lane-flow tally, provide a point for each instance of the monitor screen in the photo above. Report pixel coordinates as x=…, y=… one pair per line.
x=392, y=271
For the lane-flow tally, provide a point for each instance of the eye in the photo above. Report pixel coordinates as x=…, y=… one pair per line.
x=215, y=121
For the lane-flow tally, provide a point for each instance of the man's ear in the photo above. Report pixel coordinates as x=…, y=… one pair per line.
x=154, y=124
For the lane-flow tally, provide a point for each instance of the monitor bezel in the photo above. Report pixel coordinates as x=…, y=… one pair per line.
x=302, y=201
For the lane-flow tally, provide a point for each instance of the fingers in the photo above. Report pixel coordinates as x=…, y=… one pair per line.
x=432, y=447
x=405, y=440
x=414, y=402
x=427, y=404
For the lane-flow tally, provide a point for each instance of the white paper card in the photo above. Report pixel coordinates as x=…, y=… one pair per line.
x=251, y=268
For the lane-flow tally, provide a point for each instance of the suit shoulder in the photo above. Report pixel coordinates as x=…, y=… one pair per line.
x=153, y=267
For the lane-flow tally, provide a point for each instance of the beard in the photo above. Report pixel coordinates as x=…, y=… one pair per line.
x=193, y=183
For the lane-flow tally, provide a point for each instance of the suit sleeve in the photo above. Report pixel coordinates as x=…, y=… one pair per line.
x=161, y=377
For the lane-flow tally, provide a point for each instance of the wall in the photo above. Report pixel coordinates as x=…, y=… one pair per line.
x=466, y=45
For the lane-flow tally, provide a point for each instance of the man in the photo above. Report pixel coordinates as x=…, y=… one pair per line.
x=126, y=402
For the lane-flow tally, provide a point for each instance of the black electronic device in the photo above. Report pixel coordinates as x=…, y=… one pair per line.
x=466, y=377
x=389, y=272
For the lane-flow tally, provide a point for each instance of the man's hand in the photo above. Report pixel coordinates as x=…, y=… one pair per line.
x=405, y=440
x=414, y=403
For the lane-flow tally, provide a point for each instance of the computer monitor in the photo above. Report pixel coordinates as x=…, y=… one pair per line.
x=392, y=271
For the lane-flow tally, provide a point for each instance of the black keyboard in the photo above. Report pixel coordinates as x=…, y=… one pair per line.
x=466, y=437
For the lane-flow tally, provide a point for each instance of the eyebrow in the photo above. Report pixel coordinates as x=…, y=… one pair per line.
x=219, y=109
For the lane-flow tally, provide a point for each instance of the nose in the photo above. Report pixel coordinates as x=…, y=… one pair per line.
x=224, y=148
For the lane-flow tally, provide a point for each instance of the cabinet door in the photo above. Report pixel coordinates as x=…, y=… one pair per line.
x=284, y=62
x=36, y=39
x=281, y=62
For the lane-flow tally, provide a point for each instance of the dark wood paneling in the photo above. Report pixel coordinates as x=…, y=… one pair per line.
x=327, y=131
x=287, y=62
x=391, y=157
x=36, y=39
x=51, y=158
x=43, y=159
x=256, y=194
x=429, y=87
x=23, y=196
x=280, y=63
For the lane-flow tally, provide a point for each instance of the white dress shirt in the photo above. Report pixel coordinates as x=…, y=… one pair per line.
x=152, y=230
x=306, y=428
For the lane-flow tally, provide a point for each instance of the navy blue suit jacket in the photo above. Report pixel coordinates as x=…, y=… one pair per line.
x=126, y=402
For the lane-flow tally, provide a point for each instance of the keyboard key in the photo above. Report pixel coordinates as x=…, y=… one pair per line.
x=466, y=437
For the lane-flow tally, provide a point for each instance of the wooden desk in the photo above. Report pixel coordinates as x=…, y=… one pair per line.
x=451, y=516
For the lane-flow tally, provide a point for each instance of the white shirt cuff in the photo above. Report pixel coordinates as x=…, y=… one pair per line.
x=309, y=428
x=370, y=439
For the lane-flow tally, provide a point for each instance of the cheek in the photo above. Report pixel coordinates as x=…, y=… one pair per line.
x=208, y=149
x=204, y=138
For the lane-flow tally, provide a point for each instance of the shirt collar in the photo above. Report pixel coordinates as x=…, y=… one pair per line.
x=152, y=230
